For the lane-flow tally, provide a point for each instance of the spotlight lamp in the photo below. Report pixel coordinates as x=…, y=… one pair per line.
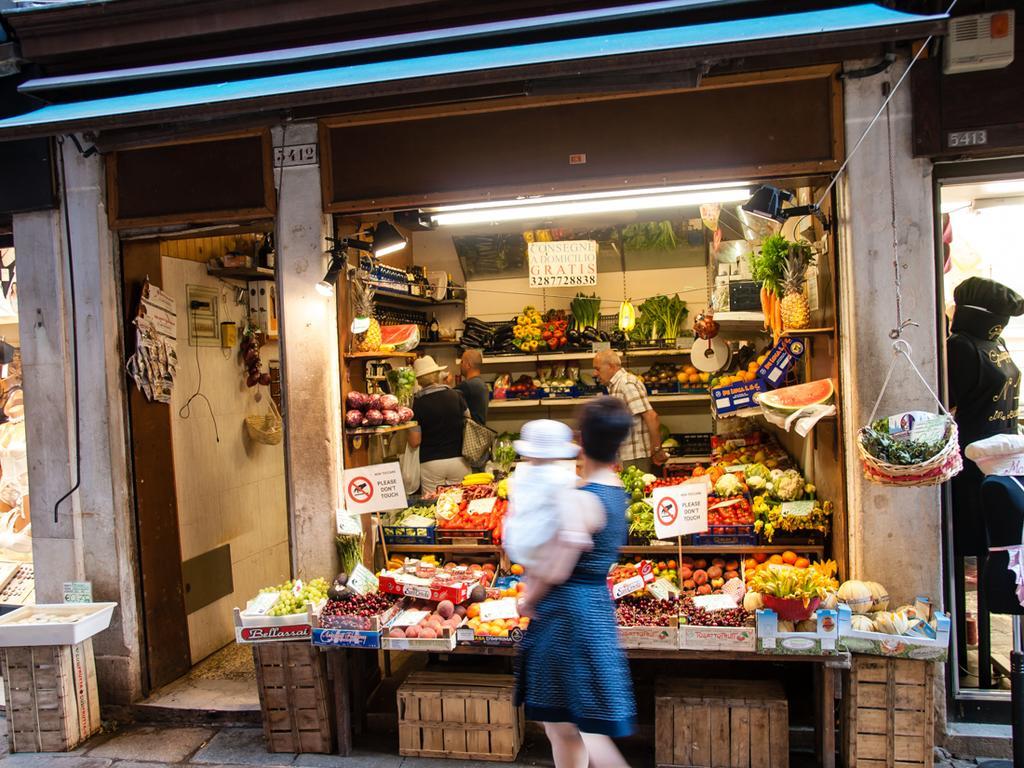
x=767, y=202
x=339, y=259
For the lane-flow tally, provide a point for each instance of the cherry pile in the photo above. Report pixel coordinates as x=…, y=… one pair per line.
x=698, y=617
x=646, y=611
x=355, y=611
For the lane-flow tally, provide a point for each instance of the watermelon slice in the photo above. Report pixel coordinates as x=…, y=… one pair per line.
x=799, y=396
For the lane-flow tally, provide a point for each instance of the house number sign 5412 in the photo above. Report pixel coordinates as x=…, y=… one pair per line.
x=966, y=138
x=295, y=154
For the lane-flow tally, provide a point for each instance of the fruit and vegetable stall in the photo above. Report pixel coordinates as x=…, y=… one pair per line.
x=762, y=590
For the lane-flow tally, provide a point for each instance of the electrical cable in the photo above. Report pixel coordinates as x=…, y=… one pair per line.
x=185, y=411
x=878, y=114
x=74, y=333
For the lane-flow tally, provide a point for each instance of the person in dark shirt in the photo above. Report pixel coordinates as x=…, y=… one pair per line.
x=440, y=414
x=472, y=386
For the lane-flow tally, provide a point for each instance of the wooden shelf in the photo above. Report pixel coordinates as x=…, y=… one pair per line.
x=670, y=547
x=381, y=296
x=682, y=398
x=556, y=357
x=681, y=352
x=379, y=355
x=437, y=344
x=242, y=273
x=371, y=431
x=810, y=332
x=465, y=549
x=557, y=402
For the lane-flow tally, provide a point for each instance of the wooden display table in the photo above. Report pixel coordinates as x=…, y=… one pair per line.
x=826, y=670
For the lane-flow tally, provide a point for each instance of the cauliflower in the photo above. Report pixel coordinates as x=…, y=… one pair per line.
x=790, y=486
x=756, y=471
x=756, y=482
x=728, y=485
x=648, y=479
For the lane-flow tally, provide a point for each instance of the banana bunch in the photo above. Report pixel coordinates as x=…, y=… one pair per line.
x=538, y=236
x=478, y=478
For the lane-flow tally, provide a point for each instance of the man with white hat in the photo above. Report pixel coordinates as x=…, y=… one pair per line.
x=440, y=414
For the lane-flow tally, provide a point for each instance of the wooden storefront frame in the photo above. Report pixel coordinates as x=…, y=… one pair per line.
x=227, y=215
x=723, y=174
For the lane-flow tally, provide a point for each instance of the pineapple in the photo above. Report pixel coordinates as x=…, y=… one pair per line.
x=362, y=307
x=796, y=313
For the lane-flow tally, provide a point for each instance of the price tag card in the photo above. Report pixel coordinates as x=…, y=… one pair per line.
x=797, y=508
x=929, y=430
x=409, y=618
x=362, y=581
x=662, y=589
x=260, y=604
x=680, y=510
x=77, y=591
x=482, y=506
x=714, y=602
x=297, y=587
x=506, y=608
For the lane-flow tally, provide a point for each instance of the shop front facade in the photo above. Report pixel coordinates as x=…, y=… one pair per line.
x=743, y=115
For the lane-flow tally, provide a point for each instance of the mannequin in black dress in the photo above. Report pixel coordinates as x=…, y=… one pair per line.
x=983, y=389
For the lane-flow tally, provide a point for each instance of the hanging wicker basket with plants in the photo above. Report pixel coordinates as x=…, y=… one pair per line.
x=913, y=448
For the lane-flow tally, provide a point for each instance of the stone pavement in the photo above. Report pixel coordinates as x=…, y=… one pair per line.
x=148, y=746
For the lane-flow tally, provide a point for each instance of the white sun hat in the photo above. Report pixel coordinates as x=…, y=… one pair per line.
x=998, y=455
x=422, y=366
x=546, y=439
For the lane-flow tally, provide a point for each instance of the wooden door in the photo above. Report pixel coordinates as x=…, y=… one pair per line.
x=165, y=622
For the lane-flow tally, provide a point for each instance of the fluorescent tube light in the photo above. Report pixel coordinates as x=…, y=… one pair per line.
x=598, y=202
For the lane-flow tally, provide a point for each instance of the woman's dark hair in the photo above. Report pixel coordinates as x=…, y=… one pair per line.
x=604, y=424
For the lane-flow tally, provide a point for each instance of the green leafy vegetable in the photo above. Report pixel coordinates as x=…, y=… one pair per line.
x=586, y=310
x=769, y=264
x=891, y=450
x=649, y=235
x=665, y=316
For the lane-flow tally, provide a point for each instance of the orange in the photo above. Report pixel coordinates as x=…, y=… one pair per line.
x=489, y=567
x=509, y=623
x=802, y=562
x=671, y=565
x=473, y=611
x=776, y=560
x=517, y=569
x=750, y=564
x=760, y=557
x=789, y=557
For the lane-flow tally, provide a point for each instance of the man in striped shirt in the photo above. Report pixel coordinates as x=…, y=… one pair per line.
x=643, y=446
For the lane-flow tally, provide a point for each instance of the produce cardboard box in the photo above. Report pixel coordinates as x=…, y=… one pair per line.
x=254, y=628
x=327, y=637
x=894, y=646
x=410, y=586
x=467, y=636
x=409, y=534
x=736, y=397
x=649, y=637
x=780, y=361
x=822, y=641
x=694, y=638
x=361, y=623
x=436, y=645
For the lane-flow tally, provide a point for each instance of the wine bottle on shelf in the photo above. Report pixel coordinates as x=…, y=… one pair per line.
x=434, y=332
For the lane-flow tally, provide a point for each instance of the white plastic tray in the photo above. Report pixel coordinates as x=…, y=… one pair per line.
x=83, y=620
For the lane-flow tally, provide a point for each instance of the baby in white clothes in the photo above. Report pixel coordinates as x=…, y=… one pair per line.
x=537, y=490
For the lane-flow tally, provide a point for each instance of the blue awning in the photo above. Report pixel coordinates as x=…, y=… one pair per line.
x=252, y=94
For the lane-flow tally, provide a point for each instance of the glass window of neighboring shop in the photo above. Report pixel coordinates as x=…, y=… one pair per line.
x=15, y=526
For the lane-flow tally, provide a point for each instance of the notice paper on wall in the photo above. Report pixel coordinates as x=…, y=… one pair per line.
x=563, y=263
x=154, y=364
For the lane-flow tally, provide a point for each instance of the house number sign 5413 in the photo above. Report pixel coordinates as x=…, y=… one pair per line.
x=295, y=154
x=966, y=138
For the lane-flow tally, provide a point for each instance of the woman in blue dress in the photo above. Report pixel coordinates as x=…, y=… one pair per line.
x=572, y=675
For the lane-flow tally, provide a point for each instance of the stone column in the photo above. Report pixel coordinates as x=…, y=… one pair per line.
x=895, y=533
x=93, y=537
x=309, y=351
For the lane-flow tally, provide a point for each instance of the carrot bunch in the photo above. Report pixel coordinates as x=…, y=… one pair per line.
x=771, y=306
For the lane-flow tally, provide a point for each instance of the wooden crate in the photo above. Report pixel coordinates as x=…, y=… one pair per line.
x=461, y=716
x=52, y=700
x=721, y=724
x=888, y=712
x=295, y=699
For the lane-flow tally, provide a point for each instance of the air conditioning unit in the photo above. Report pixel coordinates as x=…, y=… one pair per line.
x=977, y=42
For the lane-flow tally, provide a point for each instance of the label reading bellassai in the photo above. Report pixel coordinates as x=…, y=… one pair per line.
x=735, y=397
x=780, y=361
